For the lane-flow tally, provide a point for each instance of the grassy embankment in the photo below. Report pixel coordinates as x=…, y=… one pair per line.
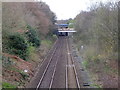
x=26, y=40
x=26, y=46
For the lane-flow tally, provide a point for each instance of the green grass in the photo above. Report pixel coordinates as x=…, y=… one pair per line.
x=96, y=86
x=85, y=63
x=33, y=53
x=31, y=50
x=14, y=69
x=47, y=43
x=6, y=85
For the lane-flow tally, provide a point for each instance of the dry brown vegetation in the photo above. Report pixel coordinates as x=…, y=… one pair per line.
x=37, y=15
x=32, y=24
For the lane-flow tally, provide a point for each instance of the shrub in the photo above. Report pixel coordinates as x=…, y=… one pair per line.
x=24, y=75
x=18, y=42
x=32, y=36
x=51, y=35
x=6, y=85
x=85, y=63
x=17, y=45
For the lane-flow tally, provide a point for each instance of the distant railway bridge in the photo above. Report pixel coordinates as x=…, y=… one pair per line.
x=64, y=30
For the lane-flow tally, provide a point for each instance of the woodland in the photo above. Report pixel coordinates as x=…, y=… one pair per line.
x=97, y=33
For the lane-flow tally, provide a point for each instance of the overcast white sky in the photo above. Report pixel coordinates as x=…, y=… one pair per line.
x=65, y=9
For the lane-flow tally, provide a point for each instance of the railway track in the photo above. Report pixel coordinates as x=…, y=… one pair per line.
x=71, y=74
x=60, y=71
x=51, y=65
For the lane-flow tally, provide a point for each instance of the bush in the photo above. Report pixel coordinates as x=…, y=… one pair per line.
x=85, y=63
x=24, y=75
x=32, y=36
x=6, y=85
x=51, y=35
x=17, y=45
x=18, y=42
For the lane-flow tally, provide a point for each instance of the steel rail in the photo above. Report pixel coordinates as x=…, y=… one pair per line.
x=46, y=69
x=66, y=68
x=74, y=68
x=54, y=72
x=39, y=66
x=66, y=77
x=51, y=83
x=75, y=71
